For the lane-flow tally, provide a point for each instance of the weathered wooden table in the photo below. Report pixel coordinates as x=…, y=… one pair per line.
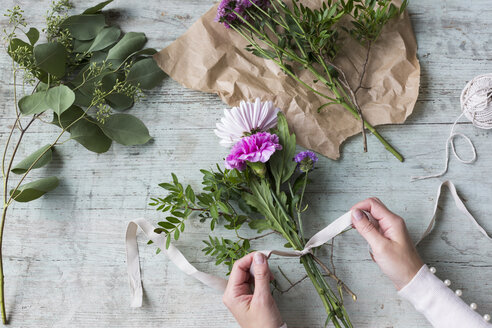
x=64, y=254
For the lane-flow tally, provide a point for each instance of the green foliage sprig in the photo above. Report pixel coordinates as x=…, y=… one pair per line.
x=298, y=38
x=273, y=202
x=86, y=75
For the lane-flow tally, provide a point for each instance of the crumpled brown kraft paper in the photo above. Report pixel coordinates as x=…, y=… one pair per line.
x=211, y=58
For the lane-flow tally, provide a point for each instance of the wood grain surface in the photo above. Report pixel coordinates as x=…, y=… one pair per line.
x=64, y=254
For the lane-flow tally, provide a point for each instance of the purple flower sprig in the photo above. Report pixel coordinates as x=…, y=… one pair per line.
x=305, y=160
x=228, y=10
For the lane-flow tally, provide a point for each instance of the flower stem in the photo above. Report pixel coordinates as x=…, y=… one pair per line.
x=332, y=83
x=333, y=307
x=354, y=112
x=299, y=207
x=2, y=298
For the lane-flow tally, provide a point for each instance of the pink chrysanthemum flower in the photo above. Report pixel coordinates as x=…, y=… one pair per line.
x=246, y=119
x=256, y=148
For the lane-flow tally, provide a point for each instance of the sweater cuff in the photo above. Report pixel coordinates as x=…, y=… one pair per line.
x=438, y=303
x=284, y=325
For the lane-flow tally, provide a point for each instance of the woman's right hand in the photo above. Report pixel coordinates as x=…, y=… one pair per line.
x=252, y=309
x=392, y=247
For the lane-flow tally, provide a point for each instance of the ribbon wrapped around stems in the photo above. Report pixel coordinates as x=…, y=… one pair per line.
x=218, y=283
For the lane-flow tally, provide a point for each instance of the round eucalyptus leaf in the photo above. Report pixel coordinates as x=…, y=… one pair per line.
x=129, y=43
x=109, y=81
x=42, y=87
x=145, y=73
x=82, y=99
x=60, y=98
x=80, y=78
x=90, y=136
x=82, y=46
x=97, y=8
x=119, y=101
x=84, y=27
x=33, y=104
x=68, y=117
x=108, y=36
x=98, y=57
x=34, y=190
x=16, y=43
x=24, y=165
x=141, y=52
x=32, y=35
x=144, y=52
x=126, y=129
x=51, y=57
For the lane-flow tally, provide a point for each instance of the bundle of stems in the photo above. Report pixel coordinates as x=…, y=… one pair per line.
x=265, y=196
x=299, y=38
x=292, y=230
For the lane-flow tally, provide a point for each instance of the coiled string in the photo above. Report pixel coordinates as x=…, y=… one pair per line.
x=476, y=106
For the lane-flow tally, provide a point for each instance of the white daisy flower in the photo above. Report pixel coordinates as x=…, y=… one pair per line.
x=248, y=118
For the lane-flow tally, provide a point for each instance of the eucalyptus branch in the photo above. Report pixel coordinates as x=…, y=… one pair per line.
x=11, y=198
x=35, y=62
x=7, y=146
x=12, y=157
x=64, y=129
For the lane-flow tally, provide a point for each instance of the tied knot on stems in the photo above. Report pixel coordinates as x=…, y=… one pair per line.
x=305, y=252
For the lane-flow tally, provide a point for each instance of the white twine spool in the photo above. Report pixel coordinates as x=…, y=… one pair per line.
x=476, y=106
x=476, y=101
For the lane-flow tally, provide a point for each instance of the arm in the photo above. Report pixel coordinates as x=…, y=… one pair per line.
x=438, y=303
x=394, y=252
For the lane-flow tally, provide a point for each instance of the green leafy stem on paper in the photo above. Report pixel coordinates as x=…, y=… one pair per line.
x=86, y=75
x=298, y=38
x=270, y=205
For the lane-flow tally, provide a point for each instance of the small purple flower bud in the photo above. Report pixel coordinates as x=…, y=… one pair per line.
x=306, y=160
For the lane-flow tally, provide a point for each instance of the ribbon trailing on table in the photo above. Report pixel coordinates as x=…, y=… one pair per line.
x=459, y=204
x=320, y=238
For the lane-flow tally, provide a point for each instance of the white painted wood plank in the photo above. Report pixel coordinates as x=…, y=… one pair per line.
x=64, y=254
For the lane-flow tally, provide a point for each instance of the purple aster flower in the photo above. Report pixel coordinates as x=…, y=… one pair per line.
x=256, y=148
x=228, y=9
x=306, y=160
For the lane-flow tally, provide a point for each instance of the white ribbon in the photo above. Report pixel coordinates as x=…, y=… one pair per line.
x=320, y=238
x=172, y=253
x=459, y=204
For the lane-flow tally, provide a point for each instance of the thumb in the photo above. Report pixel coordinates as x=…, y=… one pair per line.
x=262, y=275
x=367, y=229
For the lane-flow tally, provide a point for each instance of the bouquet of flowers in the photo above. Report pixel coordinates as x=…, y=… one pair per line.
x=298, y=38
x=262, y=186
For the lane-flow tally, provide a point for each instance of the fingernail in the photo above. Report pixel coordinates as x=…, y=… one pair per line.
x=259, y=258
x=358, y=214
